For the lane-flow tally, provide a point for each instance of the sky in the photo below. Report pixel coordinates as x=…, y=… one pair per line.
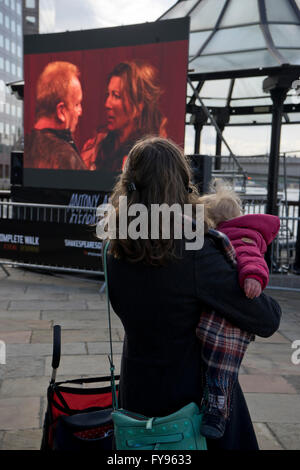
x=72, y=15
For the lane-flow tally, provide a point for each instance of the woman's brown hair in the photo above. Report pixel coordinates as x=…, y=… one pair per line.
x=140, y=83
x=161, y=175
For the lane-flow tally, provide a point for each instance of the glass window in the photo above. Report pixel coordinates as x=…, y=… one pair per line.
x=6, y=171
x=19, y=72
x=7, y=129
x=285, y=35
x=18, y=29
x=30, y=3
x=7, y=44
x=13, y=110
x=196, y=41
x=7, y=21
x=13, y=69
x=7, y=66
x=13, y=4
x=19, y=112
x=1, y=127
x=180, y=10
x=13, y=47
x=1, y=63
x=235, y=15
x=283, y=11
x=13, y=26
x=7, y=108
x=205, y=14
x=7, y=2
x=31, y=19
x=1, y=40
x=249, y=37
x=19, y=8
x=1, y=17
x=1, y=166
x=19, y=51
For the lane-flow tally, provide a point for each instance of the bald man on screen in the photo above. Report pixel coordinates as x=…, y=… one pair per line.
x=50, y=145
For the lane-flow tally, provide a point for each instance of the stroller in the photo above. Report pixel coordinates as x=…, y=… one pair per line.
x=77, y=418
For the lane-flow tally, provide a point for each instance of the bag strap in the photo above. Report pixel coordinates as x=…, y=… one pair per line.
x=112, y=367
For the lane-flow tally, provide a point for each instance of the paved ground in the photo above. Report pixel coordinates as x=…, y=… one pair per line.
x=31, y=303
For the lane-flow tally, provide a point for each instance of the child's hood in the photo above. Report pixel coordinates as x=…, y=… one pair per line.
x=267, y=225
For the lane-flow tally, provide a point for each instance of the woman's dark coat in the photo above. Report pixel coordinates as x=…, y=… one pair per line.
x=160, y=308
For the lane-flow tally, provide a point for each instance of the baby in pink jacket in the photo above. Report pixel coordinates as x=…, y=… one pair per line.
x=222, y=344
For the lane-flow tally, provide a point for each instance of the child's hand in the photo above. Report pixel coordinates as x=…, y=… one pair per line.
x=252, y=288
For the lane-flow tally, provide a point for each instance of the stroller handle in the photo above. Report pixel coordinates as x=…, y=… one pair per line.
x=56, y=346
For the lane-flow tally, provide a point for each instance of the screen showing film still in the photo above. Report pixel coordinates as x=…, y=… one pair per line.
x=90, y=95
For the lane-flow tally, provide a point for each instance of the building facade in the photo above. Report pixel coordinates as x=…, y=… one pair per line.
x=30, y=16
x=11, y=70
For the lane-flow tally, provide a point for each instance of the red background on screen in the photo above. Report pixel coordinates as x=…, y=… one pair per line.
x=169, y=58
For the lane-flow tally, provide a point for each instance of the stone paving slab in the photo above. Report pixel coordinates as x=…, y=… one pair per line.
x=24, y=387
x=274, y=408
x=275, y=338
x=47, y=305
x=22, y=440
x=21, y=314
x=7, y=324
x=20, y=413
x=294, y=380
x=22, y=367
x=287, y=434
x=39, y=350
x=4, y=304
x=80, y=336
x=84, y=365
x=265, y=438
x=62, y=289
x=258, y=364
x=33, y=296
x=88, y=324
x=61, y=318
x=104, y=347
x=58, y=315
x=17, y=337
x=265, y=384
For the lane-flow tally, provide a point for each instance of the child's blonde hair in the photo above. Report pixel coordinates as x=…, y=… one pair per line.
x=221, y=204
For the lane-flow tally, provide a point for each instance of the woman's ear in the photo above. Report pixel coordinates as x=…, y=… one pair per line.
x=61, y=111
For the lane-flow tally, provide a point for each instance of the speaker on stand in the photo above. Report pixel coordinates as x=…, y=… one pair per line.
x=201, y=166
x=16, y=168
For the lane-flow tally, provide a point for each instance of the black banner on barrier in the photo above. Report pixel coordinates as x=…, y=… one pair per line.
x=62, y=245
x=85, y=199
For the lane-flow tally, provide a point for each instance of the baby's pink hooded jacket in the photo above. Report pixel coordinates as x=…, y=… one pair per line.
x=250, y=235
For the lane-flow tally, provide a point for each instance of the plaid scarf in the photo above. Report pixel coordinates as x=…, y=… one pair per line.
x=222, y=347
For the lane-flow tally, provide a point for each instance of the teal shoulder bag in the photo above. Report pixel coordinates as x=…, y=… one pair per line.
x=177, y=431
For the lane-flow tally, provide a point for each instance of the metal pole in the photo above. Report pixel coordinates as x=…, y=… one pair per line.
x=198, y=129
x=297, y=257
x=278, y=96
x=218, y=148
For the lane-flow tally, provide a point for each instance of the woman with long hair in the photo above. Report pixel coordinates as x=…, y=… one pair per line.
x=159, y=288
x=132, y=111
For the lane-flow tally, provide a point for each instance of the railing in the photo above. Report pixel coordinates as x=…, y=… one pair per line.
x=284, y=246
x=231, y=170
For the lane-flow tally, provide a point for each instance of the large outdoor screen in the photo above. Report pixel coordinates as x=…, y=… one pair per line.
x=90, y=95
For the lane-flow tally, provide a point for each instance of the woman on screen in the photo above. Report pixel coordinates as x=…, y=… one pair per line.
x=132, y=111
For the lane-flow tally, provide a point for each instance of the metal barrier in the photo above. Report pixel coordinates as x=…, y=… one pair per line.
x=284, y=246
x=32, y=212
